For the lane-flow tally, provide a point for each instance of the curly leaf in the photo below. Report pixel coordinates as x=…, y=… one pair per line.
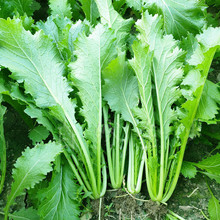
x=188, y=170
x=34, y=60
x=60, y=7
x=114, y=20
x=31, y=168
x=200, y=61
x=135, y=4
x=93, y=55
x=179, y=18
x=38, y=134
x=60, y=197
x=141, y=64
x=166, y=71
x=119, y=82
x=208, y=106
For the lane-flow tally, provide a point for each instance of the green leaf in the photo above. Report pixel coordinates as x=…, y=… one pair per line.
x=216, y=177
x=61, y=8
x=208, y=106
x=90, y=9
x=25, y=214
x=24, y=6
x=2, y=146
x=188, y=170
x=71, y=33
x=114, y=20
x=60, y=200
x=31, y=168
x=43, y=118
x=200, y=59
x=150, y=28
x=210, y=164
x=135, y=4
x=34, y=60
x=166, y=69
x=179, y=18
x=119, y=82
x=93, y=55
x=214, y=208
x=38, y=134
x=141, y=63
x=5, y=9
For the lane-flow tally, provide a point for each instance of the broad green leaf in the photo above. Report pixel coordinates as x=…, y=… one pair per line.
x=150, y=28
x=38, y=134
x=208, y=106
x=114, y=20
x=210, y=164
x=90, y=9
x=215, y=177
x=24, y=6
x=179, y=18
x=214, y=208
x=60, y=200
x=119, y=82
x=34, y=60
x=201, y=58
x=31, y=168
x=60, y=7
x=141, y=63
x=135, y=4
x=43, y=118
x=93, y=55
x=25, y=214
x=188, y=170
x=192, y=80
x=71, y=33
x=166, y=69
x=2, y=147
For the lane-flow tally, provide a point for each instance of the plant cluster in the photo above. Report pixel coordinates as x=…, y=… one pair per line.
x=111, y=91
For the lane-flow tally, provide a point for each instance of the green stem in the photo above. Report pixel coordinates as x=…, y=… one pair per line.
x=117, y=167
x=108, y=146
x=83, y=175
x=104, y=175
x=86, y=154
x=124, y=151
x=75, y=171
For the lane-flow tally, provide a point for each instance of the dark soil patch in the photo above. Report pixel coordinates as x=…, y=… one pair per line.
x=121, y=206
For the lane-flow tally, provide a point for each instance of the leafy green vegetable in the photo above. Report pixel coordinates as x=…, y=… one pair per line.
x=114, y=20
x=60, y=197
x=210, y=164
x=179, y=18
x=135, y=4
x=213, y=207
x=25, y=214
x=210, y=97
x=60, y=7
x=38, y=134
x=90, y=9
x=188, y=170
x=31, y=168
x=107, y=90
